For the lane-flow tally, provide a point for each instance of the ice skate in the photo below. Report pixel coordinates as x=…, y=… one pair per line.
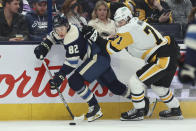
x=133, y=115
x=171, y=114
x=94, y=113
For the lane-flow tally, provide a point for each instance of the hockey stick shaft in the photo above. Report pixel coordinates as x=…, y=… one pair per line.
x=78, y=18
x=60, y=94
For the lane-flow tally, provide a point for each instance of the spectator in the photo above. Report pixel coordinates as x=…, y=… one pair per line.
x=180, y=10
x=191, y=17
x=73, y=10
x=153, y=11
x=193, y=2
x=55, y=7
x=38, y=21
x=101, y=21
x=1, y=6
x=87, y=6
x=115, y=4
x=26, y=7
x=30, y=3
x=13, y=26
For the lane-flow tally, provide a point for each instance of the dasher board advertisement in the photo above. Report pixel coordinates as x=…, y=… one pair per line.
x=23, y=78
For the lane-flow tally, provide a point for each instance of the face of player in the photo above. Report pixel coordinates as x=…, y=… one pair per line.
x=102, y=12
x=121, y=23
x=13, y=6
x=61, y=31
x=41, y=8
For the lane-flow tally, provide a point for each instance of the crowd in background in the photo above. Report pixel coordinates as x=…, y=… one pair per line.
x=28, y=19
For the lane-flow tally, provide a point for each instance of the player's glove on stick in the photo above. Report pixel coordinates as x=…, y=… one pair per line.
x=41, y=51
x=56, y=81
x=90, y=33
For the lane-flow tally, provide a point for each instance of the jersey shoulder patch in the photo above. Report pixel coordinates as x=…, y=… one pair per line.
x=72, y=35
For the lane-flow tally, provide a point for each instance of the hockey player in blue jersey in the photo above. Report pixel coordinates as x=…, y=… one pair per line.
x=95, y=66
x=187, y=71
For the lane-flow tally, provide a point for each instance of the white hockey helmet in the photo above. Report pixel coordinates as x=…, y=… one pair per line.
x=122, y=13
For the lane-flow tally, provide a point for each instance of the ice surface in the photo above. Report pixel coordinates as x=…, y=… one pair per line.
x=101, y=125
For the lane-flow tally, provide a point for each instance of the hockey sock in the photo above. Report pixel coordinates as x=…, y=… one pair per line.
x=166, y=96
x=86, y=94
x=137, y=89
x=138, y=100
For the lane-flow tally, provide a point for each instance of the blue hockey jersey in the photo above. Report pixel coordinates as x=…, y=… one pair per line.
x=190, y=42
x=75, y=45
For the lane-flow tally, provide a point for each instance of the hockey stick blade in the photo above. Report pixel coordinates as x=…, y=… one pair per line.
x=79, y=118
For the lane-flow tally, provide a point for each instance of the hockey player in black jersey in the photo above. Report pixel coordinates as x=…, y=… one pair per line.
x=95, y=66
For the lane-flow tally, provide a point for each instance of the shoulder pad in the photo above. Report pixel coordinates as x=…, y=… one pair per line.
x=71, y=35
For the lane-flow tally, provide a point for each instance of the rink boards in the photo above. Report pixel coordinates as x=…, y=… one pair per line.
x=25, y=93
x=58, y=111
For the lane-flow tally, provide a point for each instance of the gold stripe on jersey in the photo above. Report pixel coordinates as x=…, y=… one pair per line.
x=142, y=14
x=153, y=58
x=146, y=53
x=161, y=64
x=127, y=4
x=168, y=97
x=170, y=18
x=130, y=1
x=93, y=61
x=121, y=41
x=108, y=5
x=168, y=39
x=137, y=98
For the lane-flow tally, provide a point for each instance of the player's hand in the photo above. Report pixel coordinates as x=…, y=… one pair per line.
x=90, y=33
x=40, y=52
x=156, y=4
x=56, y=81
x=186, y=74
x=164, y=17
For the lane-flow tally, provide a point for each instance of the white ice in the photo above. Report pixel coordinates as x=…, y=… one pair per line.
x=101, y=125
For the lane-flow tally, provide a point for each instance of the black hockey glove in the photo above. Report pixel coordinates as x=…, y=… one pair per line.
x=186, y=74
x=41, y=51
x=90, y=33
x=56, y=81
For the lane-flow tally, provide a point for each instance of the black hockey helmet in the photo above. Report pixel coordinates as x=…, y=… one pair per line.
x=59, y=20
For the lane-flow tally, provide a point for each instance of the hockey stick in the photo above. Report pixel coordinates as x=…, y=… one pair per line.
x=154, y=102
x=77, y=17
x=63, y=99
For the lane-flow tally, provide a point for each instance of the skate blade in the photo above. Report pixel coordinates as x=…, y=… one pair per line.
x=98, y=115
x=135, y=119
x=153, y=103
x=172, y=118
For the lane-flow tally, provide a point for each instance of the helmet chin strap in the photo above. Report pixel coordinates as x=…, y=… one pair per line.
x=56, y=35
x=68, y=28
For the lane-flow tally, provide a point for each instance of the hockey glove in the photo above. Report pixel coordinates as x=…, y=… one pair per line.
x=41, y=51
x=90, y=33
x=186, y=74
x=56, y=81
